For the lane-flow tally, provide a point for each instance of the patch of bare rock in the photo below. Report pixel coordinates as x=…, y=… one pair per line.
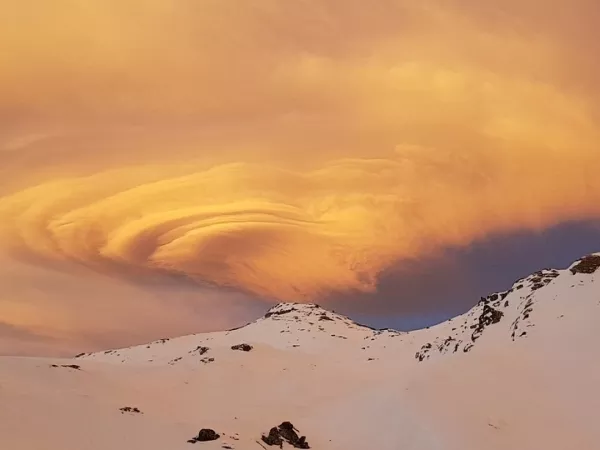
x=205, y=435
x=67, y=366
x=286, y=432
x=279, y=312
x=200, y=350
x=242, y=347
x=587, y=265
x=129, y=409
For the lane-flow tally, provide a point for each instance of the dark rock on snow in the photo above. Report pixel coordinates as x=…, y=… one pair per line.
x=205, y=435
x=285, y=432
x=200, y=349
x=242, y=347
x=68, y=366
x=587, y=265
x=130, y=410
x=279, y=313
x=273, y=438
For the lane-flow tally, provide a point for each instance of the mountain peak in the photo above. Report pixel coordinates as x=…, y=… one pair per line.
x=301, y=309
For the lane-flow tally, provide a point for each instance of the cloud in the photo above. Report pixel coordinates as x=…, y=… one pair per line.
x=64, y=309
x=287, y=150
x=282, y=234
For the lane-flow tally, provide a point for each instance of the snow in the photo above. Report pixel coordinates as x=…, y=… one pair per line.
x=525, y=380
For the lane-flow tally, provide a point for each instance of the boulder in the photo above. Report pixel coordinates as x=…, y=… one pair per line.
x=206, y=434
x=242, y=347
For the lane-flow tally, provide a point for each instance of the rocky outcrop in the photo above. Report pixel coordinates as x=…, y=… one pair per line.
x=286, y=432
x=489, y=316
x=587, y=265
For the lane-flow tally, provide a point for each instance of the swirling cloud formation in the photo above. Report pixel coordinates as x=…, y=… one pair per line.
x=289, y=235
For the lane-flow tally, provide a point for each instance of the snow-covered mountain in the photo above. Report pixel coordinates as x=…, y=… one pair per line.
x=517, y=371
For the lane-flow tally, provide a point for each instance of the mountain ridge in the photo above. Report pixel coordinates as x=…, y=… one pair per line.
x=311, y=327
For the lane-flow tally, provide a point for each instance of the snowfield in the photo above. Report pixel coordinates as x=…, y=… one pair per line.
x=520, y=370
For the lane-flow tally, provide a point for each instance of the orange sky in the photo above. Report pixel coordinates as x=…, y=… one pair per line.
x=286, y=150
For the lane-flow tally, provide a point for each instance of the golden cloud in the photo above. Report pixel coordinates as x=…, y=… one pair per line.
x=292, y=235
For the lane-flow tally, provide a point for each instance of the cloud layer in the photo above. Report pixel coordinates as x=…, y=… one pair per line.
x=289, y=150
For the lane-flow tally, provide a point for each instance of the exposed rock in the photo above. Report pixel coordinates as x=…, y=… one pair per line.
x=129, y=409
x=205, y=435
x=279, y=312
x=242, y=347
x=488, y=317
x=285, y=432
x=587, y=265
x=68, y=366
x=424, y=352
x=200, y=349
x=273, y=438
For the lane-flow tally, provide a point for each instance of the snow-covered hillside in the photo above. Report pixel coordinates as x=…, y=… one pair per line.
x=519, y=370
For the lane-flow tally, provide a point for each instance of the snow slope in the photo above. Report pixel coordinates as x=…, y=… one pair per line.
x=517, y=371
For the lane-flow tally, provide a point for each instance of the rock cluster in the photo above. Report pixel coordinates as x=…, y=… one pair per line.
x=489, y=316
x=129, y=409
x=201, y=350
x=285, y=433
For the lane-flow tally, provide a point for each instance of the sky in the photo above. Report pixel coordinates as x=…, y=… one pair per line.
x=170, y=167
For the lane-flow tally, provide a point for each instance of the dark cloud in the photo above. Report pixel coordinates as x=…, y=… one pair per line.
x=426, y=291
